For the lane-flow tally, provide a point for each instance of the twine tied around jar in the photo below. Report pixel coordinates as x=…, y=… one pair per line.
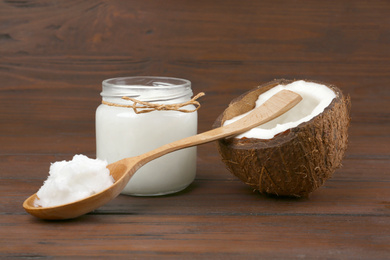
x=140, y=107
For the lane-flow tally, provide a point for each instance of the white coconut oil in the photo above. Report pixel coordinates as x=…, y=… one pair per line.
x=315, y=98
x=69, y=181
x=121, y=133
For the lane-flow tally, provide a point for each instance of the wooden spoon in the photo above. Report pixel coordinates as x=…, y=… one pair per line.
x=124, y=169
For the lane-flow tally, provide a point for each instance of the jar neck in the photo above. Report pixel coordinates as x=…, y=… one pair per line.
x=150, y=89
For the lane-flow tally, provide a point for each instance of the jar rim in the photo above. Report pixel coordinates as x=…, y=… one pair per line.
x=146, y=87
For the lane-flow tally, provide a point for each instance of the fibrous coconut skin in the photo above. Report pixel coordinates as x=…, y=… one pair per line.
x=295, y=162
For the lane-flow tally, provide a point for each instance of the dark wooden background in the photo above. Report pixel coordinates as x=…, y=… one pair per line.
x=54, y=55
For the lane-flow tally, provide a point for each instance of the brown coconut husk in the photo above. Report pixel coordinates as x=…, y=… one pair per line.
x=293, y=163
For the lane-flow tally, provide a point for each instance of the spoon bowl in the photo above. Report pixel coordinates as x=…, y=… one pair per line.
x=121, y=171
x=124, y=169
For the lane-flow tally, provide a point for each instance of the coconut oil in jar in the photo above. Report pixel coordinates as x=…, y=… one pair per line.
x=122, y=133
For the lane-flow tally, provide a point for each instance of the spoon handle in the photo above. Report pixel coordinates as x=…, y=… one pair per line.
x=275, y=106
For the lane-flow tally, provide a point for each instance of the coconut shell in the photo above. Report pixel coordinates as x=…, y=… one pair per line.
x=295, y=162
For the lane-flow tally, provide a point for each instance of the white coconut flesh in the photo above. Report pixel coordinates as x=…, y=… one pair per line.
x=315, y=98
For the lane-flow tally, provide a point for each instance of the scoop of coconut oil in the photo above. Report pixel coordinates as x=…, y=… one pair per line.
x=315, y=98
x=73, y=180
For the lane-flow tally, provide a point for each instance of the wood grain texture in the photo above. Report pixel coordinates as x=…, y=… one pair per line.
x=54, y=55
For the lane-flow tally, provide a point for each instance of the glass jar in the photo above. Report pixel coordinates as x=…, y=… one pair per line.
x=121, y=133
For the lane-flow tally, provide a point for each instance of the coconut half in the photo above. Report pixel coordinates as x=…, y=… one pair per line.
x=294, y=154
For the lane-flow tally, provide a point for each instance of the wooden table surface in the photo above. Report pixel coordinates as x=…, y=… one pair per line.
x=54, y=55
